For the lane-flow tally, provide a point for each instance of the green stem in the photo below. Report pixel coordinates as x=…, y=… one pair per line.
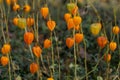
x=58, y=55
x=52, y=53
x=75, y=58
x=85, y=61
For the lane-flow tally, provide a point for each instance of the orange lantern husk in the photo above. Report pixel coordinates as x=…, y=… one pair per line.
x=70, y=24
x=102, y=41
x=30, y=22
x=78, y=37
x=37, y=51
x=33, y=68
x=69, y=42
x=47, y=43
x=112, y=46
x=50, y=78
x=6, y=48
x=107, y=57
x=28, y=37
x=115, y=29
x=77, y=20
x=67, y=16
x=44, y=12
x=51, y=25
x=4, y=60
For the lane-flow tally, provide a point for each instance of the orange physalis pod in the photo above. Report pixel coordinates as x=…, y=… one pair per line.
x=33, y=68
x=107, y=57
x=47, y=43
x=70, y=24
x=115, y=30
x=30, y=22
x=67, y=16
x=4, y=60
x=69, y=42
x=6, y=49
x=51, y=25
x=37, y=51
x=102, y=41
x=28, y=37
x=77, y=20
x=112, y=46
x=44, y=12
x=78, y=37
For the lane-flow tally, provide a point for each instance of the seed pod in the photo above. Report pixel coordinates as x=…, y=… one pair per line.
x=33, y=68
x=6, y=49
x=70, y=24
x=50, y=78
x=30, y=22
x=51, y=25
x=8, y=2
x=37, y=51
x=77, y=20
x=112, y=46
x=22, y=23
x=44, y=12
x=28, y=37
x=4, y=60
x=16, y=7
x=69, y=42
x=102, y=41
x=78, y=37
x=70, y=6
x=77, y=27
x=115, y=29
x=27, y=8
x=15, y=21
x=95, y=28
x=107, y=57
x=47, y=43
x=75, y=10
x=67, y=16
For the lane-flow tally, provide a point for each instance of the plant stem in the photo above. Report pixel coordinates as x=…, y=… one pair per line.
x=52, y=53
x=75, y=59
x=58, y=55
x=85, y=61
